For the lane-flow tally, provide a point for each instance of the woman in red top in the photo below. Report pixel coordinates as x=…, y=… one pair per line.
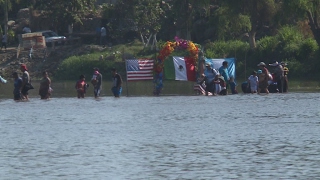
x=81, y=86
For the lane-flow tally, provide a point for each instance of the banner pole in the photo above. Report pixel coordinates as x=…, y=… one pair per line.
x=126, y=78
x=125, y=60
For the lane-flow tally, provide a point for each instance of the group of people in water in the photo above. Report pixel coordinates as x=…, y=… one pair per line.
x=23, y=84
x=96, y=80
x=219, y=82
x=216, y=82
x=263, y=81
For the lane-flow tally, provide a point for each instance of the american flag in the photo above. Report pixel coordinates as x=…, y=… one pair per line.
x=138, y=69
x=200, y=89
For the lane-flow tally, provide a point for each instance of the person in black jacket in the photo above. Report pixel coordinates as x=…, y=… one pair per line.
x=117, y=82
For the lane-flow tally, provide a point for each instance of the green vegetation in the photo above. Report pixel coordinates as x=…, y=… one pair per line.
x=73, y=66
x=249, y=30
x=288, y=45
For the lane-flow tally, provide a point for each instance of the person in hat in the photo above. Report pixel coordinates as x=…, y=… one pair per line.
x=26, y=85
x=45, y=86
x=278, y=75
x=17, y=84
x=208, y=79
x=285, y=76
x=116, y=83
x=81, y=86
x=263, y=78
x=220, y=81
x=96, y=81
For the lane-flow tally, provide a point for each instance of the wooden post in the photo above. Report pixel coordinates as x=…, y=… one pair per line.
x=125, y=62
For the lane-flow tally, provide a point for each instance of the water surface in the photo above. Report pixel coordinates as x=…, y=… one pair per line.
x=272, y=136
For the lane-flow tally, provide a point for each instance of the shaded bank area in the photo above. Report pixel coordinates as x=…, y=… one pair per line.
x=141, y=88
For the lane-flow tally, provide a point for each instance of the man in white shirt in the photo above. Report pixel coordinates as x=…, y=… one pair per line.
x=103, y=36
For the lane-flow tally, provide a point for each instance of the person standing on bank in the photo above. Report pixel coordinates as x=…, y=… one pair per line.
x=45, y=86
x=25, y=82
x=96, y=82
x=103, y=36
x=223, y=70
x=17, y=87
x=4, y=40
x=117, y=82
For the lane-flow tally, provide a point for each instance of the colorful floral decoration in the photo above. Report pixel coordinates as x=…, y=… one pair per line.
x=167, y=49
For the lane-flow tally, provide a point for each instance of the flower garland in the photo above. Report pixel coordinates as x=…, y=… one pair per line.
x=168, y=48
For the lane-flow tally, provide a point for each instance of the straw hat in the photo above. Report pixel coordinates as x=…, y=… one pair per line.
x=275, y=63
x=261, y=64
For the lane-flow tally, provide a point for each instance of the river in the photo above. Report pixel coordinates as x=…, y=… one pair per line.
x=274, y=136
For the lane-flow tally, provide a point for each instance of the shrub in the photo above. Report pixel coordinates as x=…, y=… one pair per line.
x=307, y=50
x=72, y=67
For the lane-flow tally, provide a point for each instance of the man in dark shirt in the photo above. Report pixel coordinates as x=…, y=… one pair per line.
x=17, y=86
x=96, y=82
x=25, y=87
x=117, y=82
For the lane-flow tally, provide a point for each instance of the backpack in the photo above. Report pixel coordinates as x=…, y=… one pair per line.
x=215, y=72
x=270, y=78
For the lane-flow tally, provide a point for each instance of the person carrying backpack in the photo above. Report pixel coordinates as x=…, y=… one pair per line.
x=208, y=79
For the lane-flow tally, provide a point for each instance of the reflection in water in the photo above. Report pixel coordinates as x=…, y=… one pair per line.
x=169, y=137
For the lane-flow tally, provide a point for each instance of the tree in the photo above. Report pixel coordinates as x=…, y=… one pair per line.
x=306, y=10
x=184, y=12
x=147, y=16
x=65, y=12
x=259, y=12
x=141, y=16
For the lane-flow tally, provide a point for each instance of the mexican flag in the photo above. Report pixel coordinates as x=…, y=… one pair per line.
x=179, y=68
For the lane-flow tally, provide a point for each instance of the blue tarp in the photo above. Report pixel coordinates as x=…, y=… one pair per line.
x=217, y=63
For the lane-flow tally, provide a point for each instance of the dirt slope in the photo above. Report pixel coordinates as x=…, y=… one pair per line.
x=42, y=59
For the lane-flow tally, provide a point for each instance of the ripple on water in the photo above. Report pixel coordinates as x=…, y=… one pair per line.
x=178, y=137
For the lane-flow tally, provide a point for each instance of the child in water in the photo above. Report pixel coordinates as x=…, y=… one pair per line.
x=253, y=82
x=81, y=86
x=219, y=80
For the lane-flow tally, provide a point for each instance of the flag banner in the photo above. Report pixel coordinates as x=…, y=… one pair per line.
x=139, y=69
x=200, y=89
x=179, y=68
x=217, y=63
